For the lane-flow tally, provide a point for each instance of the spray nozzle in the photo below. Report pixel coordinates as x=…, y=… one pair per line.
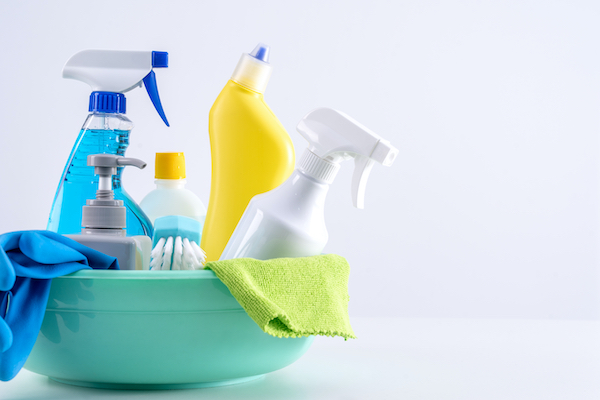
x=111, y=73
x=334, y=137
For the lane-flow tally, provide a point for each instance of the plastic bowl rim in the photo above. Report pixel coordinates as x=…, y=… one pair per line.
x=145, y=274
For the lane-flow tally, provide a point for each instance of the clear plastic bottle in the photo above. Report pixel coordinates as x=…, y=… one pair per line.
x=170, y=196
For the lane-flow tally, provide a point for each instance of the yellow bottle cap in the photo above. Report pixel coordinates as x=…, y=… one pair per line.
x=169, y=166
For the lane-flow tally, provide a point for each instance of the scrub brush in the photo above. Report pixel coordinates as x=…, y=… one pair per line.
x=175, y=244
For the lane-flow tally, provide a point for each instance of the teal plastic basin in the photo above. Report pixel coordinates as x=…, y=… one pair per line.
x=153, y=330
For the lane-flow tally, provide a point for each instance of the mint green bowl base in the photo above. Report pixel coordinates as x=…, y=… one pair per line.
x=153, y=330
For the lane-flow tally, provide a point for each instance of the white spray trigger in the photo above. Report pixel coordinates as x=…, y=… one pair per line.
x=362, y=169
x=109, y=70
x=334, y=137
x=119, y=71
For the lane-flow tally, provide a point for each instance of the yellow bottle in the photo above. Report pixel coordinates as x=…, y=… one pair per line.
x=251, y=151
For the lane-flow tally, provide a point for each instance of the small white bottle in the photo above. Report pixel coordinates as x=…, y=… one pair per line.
x=289, y=220
x=104, y=218
x=170, y=196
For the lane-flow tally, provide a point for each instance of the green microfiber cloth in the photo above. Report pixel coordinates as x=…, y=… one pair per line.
x=291, y=297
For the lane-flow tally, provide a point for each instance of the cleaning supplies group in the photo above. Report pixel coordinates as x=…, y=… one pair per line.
x=255, y=210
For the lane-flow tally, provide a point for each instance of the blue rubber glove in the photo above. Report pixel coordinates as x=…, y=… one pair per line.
x=28, y=262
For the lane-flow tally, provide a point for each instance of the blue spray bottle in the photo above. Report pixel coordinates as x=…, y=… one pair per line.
x=105, y=131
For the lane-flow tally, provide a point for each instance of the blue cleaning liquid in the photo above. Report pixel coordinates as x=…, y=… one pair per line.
x=78, y=184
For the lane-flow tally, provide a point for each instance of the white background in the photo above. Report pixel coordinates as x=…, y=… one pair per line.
x=491, y=208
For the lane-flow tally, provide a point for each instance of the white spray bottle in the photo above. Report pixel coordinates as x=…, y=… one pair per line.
x=289, y=220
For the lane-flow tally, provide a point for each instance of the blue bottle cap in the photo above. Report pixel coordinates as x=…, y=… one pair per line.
x=107, y=102
x=261, y=52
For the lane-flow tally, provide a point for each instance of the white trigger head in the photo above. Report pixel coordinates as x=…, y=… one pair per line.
x=334, y=137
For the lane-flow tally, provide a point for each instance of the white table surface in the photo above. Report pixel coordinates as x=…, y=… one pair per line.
x=396, y=358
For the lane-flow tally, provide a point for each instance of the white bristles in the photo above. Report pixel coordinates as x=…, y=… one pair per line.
x=168, y=256
x=177, y=254
x=189, y=260
x=200, y=254
x=157, y=255
x=194, y=255
x=159, y=249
